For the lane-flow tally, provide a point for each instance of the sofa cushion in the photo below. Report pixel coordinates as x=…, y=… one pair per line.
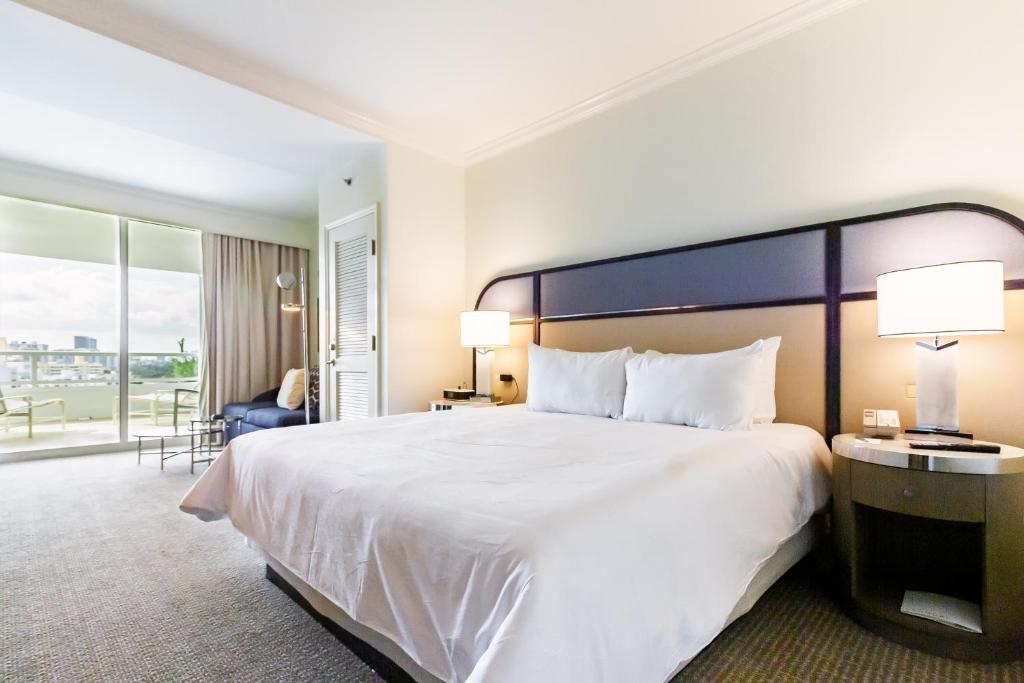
x=241, y=409
x=275, y=417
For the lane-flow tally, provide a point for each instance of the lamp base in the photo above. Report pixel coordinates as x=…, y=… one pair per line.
x=937, y=378
x=484, y=360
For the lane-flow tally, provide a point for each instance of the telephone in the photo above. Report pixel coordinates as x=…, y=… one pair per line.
x=881, y=422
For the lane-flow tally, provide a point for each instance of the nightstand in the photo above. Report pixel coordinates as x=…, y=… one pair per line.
x=944, y=522
x=447, y=404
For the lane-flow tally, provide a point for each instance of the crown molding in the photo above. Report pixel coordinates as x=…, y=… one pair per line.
x=136, y=31
x=744, y=40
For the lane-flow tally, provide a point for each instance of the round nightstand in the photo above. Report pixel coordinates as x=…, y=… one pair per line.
x=944, y=522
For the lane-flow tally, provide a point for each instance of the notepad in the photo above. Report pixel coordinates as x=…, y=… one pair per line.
x=948, y=611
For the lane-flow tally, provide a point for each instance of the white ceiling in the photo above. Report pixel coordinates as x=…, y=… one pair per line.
x=457, y=78
x=79, y=102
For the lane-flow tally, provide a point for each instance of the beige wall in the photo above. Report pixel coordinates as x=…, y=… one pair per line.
x=425, y=250
x=876, y=373
x=888, y=104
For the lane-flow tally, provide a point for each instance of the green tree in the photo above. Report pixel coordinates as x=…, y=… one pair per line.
x=185, y=367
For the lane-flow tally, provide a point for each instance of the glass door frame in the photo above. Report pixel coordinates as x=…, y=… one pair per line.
x=123, y=441
x=123, y=413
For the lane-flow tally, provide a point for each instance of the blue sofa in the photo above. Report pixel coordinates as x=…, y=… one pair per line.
x=262, y=412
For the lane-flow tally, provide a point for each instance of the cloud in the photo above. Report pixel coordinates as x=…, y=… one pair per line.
x=52, y=300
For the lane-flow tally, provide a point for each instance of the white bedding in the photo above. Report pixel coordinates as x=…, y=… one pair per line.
x=506, y=545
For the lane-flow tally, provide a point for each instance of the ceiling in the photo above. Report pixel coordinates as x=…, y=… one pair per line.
x=81, y=103
x=459, y=79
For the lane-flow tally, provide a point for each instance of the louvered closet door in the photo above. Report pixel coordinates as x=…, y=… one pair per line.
x=351, y=387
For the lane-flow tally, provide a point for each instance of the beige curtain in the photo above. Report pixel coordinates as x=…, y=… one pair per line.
x=248, y=342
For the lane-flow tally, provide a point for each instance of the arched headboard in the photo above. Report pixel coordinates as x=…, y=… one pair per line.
x=824, y=265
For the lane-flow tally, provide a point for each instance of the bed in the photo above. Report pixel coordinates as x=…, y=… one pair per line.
x=516, y=545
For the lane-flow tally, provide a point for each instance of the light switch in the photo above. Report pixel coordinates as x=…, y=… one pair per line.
x=911, y=391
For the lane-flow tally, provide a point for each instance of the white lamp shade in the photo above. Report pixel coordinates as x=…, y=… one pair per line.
x=485, y=329
x=948, y=299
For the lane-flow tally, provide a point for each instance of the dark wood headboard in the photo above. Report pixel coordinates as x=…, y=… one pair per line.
x=824, y=264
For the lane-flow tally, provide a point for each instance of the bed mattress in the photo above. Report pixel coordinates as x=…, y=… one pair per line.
x=508, y=545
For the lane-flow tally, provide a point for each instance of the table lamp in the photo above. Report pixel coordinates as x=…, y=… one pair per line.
x=484, y=331
x=959, y=299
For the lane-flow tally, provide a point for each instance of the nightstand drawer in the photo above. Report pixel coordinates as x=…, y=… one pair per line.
x=953, y=497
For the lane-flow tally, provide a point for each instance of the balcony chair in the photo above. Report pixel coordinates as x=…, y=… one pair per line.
x=161, y=402
x=24, y=406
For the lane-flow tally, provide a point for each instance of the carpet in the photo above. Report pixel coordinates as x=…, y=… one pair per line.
x=103, y=579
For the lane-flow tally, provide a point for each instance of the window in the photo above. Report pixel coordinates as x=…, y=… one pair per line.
x=164, y=300
x=62, y=312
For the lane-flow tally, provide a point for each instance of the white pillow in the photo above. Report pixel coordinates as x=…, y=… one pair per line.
x=764, y=399
x=580, y=383
x=293, y=389
x=711, y=391
x=764, y=403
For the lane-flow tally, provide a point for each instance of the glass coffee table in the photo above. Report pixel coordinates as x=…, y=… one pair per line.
x=206, y=440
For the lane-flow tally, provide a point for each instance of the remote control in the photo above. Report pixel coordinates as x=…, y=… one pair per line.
x=965, y=447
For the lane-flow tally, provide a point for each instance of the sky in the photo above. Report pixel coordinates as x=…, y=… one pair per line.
x=52, y=300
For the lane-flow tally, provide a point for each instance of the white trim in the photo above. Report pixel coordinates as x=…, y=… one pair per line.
x=325, y=286
x=123, y=409
x=323, y=311
x=755, y=35
x=349, y=218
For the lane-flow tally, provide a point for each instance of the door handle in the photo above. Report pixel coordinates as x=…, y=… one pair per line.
x=332, y=361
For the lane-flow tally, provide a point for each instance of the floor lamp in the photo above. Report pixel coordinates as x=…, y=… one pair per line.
x=286, y=281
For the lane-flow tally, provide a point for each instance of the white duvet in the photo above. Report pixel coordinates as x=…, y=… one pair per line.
x=506, y=545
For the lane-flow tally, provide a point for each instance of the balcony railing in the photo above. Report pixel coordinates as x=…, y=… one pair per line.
x=88, y=381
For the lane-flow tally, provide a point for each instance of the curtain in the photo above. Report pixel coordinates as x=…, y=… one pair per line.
x=248, y=342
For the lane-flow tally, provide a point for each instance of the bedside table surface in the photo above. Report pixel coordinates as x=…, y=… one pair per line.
x=453, y=403
x=898, y=453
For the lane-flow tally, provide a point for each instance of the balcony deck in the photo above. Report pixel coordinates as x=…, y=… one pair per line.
x=90, y=402
x=49, y=434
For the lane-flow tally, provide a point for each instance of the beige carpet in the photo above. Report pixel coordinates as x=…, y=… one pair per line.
x=102, y=579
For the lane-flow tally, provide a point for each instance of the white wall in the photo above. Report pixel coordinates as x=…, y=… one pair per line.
x=889, y=104
x=365, y=166
x=422, y=269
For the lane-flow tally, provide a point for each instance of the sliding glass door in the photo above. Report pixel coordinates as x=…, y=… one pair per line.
x=80, y=293
x=163, y=324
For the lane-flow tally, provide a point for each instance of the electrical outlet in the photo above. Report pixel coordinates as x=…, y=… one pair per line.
x=911, y=391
